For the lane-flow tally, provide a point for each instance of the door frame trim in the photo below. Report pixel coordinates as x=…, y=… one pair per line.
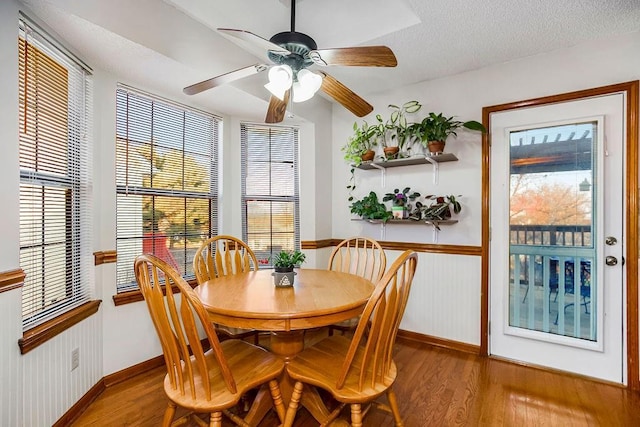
x=630, y=89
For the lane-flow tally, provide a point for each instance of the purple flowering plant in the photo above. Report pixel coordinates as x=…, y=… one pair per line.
x=401, y=198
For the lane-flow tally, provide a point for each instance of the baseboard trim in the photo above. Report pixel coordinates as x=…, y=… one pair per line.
x=81, y=405
x=438, y=342
x=94, y=392
x=132, y=371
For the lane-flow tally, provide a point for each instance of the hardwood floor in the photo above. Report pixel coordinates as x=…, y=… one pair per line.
x=435, y=387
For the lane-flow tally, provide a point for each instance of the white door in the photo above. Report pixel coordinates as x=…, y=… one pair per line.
x=556, y=253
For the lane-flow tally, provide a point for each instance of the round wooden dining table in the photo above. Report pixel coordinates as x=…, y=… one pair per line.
x=317, y=298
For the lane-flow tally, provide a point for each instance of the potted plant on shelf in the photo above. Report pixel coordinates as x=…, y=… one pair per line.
x=283, y=264
x=369, y=207
x=359, y=148
x=395, y=133
x=400, y=200
x=434, y=130
x=401, y=131
x=440, y=210
x=382, y=132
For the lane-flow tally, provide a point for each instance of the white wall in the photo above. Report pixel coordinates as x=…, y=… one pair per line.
x=450, y=286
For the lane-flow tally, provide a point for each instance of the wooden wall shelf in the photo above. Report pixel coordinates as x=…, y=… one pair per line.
x=408, y=221
x=409, y=161
x=434, y=224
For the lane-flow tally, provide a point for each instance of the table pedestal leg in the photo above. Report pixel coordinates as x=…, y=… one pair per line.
x=287, y=344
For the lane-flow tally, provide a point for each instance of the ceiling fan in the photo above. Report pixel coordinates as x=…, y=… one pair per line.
x=292, y=53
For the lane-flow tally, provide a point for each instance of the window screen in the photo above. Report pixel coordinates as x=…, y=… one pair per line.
x=166, y=180
x=55, y=187
x=270, y=189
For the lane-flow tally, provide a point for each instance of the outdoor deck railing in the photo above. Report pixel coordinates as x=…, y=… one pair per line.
x=545, y=262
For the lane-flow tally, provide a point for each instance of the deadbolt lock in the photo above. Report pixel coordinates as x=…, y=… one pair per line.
x=610, y=240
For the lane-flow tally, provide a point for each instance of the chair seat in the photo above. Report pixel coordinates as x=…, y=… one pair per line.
x=305, y=368
x=251, y=367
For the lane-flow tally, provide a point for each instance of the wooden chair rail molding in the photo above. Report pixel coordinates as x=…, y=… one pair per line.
x=402, y=246
x=11, y=279
x=135, y=296
x=105, y=257
x=44, y=332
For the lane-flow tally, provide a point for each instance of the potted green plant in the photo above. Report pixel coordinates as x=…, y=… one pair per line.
x=441, y=209
x=360, y=145
x=401, y=131
x=400, y=200
x=283, y=264
x=382, y=132
x=358, y=149
x=369, y=207
x=395, y=132
x=434, y=130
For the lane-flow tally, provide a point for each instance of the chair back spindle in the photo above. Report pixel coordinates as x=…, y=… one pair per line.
x=221, y=256
x=361, y=256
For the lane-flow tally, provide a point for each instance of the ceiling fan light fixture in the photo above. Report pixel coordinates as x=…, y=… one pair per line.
x=307, y=84
x=280, y=80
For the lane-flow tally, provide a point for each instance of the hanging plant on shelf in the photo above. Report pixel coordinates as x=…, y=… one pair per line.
x=359, y=148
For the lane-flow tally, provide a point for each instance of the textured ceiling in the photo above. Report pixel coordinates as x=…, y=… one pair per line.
x=165, y=45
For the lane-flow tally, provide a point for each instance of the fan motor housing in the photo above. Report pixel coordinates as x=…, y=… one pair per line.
x=298, y=44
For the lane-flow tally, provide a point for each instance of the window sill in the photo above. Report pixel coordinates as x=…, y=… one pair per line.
x=40, y=334
x=135, y=296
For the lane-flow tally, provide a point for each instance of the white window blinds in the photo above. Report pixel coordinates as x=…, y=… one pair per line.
x=270, y=189
x=55, y=178
x=166, y=180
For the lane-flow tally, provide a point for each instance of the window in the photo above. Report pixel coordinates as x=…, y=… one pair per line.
x=166, y=180
x=270, y=190
x=55, y=186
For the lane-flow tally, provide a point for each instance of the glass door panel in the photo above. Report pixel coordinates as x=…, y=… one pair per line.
x=551, y=230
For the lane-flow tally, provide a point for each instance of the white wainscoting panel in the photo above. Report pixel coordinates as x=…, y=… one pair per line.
x=10, y=358
x=50, y=387
x=445, y=297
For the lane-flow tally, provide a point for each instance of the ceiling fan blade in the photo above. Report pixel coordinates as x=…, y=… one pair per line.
x=345, y=96
x=252, y=43
x=224, y=78
x=277, y=108
x=364, y=56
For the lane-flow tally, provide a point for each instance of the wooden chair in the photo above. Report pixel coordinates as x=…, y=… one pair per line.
x=359, y=370
x=221, y=256
x=207, y=381
x=360, y=256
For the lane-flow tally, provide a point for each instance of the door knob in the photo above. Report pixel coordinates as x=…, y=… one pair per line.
x=611, y=260
x=610, y=240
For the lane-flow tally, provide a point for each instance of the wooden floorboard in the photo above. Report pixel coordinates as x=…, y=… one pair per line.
x=435, y=387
